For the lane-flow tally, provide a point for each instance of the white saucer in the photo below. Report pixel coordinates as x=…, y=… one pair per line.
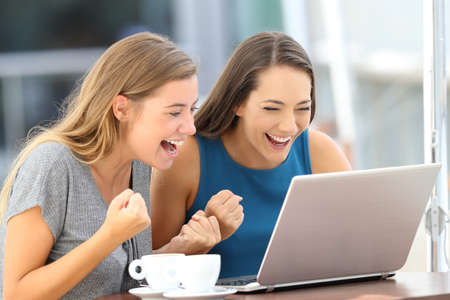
x=147, y=293
x=217, y=293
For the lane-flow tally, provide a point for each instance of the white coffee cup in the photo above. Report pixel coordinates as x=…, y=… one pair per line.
x=199, y=273
x=159, y=270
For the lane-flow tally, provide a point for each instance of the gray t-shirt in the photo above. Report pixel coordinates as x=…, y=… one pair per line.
x=74, y=210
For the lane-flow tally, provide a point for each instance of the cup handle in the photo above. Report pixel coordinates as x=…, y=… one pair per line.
x=132, y=269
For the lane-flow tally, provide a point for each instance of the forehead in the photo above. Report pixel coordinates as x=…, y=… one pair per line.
x=283, y=83
x=171, y=95
x=178, y=92
x=183, y=91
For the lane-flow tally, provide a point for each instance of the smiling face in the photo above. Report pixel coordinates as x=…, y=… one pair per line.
x=160, y=123
x=273, y=116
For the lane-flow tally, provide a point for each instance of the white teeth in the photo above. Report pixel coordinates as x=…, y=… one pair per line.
x=279, y=138
x=178, y=143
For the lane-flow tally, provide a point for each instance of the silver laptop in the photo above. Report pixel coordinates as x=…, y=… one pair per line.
x=344, y=226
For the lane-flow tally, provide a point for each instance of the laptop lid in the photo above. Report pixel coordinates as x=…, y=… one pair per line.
x=344, y=224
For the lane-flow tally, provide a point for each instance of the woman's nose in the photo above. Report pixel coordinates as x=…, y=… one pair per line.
x=288, y=125
x=188, y=127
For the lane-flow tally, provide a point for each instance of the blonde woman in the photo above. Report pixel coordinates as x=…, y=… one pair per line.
x=252, y=137
x=75, y=205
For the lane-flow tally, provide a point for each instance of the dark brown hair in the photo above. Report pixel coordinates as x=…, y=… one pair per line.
x=240, y=77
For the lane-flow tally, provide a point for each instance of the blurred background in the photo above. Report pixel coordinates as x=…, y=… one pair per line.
x=368, y=58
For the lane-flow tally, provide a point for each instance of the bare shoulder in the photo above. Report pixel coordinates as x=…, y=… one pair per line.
x=171, y=192
x=326, y=155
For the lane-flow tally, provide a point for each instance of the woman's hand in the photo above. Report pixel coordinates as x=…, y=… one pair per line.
x=199, y=235
x=226, y=208
x=26, y=276
x=127, y=216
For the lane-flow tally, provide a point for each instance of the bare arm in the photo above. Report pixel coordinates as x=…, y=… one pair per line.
x=172, y=192
x=326, y=156
x=29, y=241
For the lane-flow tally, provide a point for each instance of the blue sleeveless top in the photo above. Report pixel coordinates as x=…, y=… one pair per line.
x=263, y=192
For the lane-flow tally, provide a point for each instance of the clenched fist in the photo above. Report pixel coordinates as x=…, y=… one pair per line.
x=199, y=235
x=225, y=206
x=127, y=216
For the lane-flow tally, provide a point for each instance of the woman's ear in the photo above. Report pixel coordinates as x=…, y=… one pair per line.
x=121, y=108
x=239, y=110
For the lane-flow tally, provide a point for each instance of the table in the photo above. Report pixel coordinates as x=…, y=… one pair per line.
x=406, y=285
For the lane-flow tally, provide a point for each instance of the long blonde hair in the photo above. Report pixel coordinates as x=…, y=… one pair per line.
x=134, y=67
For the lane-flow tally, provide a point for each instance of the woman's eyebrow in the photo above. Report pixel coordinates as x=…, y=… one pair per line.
x=180, y=104
x=176, y=105
x=304, y=102
x=282, y=103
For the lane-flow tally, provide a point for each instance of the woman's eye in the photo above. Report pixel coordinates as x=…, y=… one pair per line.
x=270, y=108
x=304, y=108
x=175, y=114
x=194, y=108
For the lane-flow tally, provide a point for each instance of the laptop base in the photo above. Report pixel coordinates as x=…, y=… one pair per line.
x=248, y=284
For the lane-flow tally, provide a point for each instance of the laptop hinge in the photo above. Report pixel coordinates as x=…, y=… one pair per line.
x=270, y=289
x=384, y=275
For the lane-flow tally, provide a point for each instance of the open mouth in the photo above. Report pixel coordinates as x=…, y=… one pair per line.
x=278, y=142
x=171, y=146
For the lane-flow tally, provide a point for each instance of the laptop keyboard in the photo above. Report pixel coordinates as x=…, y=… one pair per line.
x=237, y=281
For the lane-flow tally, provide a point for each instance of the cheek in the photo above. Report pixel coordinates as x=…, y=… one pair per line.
x=165, y=128
x=264, y=123
x=303, y=121
x=147, y=131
